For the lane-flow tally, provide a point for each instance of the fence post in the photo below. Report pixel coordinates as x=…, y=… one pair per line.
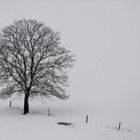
x=119, y=126
x=49, y=114
x=86, y=118
x=10, y=104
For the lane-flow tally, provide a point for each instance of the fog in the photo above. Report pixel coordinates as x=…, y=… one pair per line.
x=104, y=36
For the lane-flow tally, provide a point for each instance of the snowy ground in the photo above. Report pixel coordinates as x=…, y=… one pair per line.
x=39, y=126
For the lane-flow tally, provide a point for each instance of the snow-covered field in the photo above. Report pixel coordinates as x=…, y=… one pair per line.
x=105, y=37
x=102, y=125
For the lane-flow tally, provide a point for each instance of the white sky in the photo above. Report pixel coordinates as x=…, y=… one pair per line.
x=105, y=36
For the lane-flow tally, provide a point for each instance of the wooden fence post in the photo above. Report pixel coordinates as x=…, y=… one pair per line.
x=49, y=114
x=86, y=118
x=119, y=126
x=10, y=104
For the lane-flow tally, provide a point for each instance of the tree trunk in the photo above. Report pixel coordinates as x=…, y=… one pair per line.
x=26, y=104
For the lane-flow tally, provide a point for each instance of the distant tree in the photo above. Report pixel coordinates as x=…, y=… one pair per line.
x=32, y=61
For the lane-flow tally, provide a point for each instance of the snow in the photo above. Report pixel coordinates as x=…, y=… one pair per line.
x=39, y=126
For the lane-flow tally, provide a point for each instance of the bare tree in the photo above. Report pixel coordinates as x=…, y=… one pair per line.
x=32, y=61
